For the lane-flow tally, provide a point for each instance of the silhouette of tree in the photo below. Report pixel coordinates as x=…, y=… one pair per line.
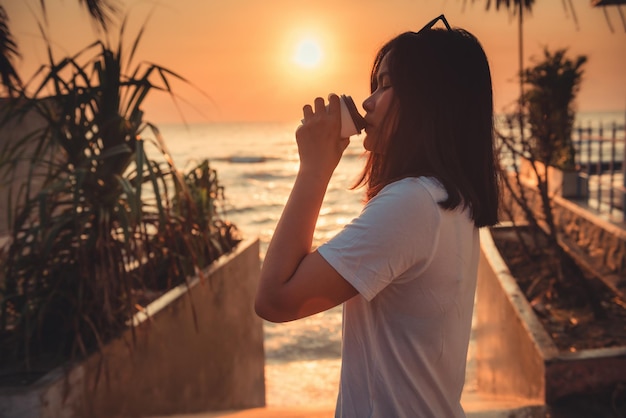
x=101, y=11
x=8, y=52
x=516, y=7
x=519, y=8
x=617, y=4
x=553, y=84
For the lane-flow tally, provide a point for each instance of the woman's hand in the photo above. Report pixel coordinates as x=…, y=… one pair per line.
x=320, y=145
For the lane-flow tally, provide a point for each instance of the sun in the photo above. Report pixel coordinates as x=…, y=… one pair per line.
x=308, y=53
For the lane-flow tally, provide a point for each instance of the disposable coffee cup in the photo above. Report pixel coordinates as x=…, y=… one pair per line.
x=352, y=123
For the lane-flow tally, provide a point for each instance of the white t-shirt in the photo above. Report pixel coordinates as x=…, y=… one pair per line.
x=405, y=335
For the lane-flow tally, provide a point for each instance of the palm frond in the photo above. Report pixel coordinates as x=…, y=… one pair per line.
x=8, y=53
x=510, y=5
x=102, y=11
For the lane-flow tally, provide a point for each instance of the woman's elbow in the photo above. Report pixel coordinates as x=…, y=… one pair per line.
x=261, y=309
x=266, y=309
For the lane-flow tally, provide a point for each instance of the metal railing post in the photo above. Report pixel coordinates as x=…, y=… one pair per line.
x=612, y=169
x=599, y=164
x=624, y=173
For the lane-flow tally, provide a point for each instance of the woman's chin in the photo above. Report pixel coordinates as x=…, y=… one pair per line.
x=368, y=142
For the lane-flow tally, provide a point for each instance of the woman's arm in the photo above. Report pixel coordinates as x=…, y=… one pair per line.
x=296, y=282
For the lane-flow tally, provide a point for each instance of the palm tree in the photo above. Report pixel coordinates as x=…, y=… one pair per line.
x=101, y=11
x=605, y=4
x=517, y=7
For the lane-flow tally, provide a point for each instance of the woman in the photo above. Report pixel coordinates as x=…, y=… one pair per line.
x=406, y=268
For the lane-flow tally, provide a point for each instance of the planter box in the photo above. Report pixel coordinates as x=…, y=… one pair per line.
x=198, y=349
x=515, y=356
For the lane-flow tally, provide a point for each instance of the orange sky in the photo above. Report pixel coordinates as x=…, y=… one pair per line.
x=240, y=52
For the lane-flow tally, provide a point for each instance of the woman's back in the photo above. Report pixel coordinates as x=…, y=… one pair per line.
x=406, y=334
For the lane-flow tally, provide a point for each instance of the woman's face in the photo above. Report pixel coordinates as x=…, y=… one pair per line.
x=379, y=120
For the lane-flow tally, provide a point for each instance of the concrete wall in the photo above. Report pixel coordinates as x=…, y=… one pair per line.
x=11, y=132
x=603, y=242
x=508, y=336
x=515, y=357
x=196, y=351
x=598, y=243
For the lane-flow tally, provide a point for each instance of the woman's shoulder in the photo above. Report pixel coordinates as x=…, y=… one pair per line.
x=417, y=186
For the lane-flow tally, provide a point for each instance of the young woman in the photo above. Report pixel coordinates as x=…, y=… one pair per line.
x=406, y=268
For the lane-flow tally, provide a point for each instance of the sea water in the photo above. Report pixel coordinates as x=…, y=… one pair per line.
x=257, y=163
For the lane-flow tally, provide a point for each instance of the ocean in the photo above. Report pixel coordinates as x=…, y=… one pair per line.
x=256, y=164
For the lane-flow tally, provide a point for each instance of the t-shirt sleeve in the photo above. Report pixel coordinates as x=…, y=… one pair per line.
x=397, y=230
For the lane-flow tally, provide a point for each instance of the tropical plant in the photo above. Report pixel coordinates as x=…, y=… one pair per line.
x=520, y=8
x=103, y=216
x=102, y=11
x=549, y=108
x=553, y=84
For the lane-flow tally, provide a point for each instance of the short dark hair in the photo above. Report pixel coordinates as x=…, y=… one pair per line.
x=444, y=126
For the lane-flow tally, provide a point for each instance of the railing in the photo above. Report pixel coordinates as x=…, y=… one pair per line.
x=601, y=159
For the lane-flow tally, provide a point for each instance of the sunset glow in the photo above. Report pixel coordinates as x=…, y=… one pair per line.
x=261, y=61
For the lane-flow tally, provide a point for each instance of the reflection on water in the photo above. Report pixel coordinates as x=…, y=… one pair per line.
x=311, y=383
x=256, y=163
x=312, y=338
x=303, y=359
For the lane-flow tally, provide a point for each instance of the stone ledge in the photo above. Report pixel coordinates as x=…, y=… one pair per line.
x=200, y=349
x=516, y=357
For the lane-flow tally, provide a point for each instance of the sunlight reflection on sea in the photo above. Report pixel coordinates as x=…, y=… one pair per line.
x=256, y=163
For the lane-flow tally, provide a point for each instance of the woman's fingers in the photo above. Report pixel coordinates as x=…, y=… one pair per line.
x=307, y=110
x=334, y=105
x=320, y=107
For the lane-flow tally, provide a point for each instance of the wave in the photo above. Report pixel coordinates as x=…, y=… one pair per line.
x=312, y=338
x=246, y=159
x=264, y=210
x=262, y=177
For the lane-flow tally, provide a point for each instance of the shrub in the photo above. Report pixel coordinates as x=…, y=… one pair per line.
x=103, y=217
